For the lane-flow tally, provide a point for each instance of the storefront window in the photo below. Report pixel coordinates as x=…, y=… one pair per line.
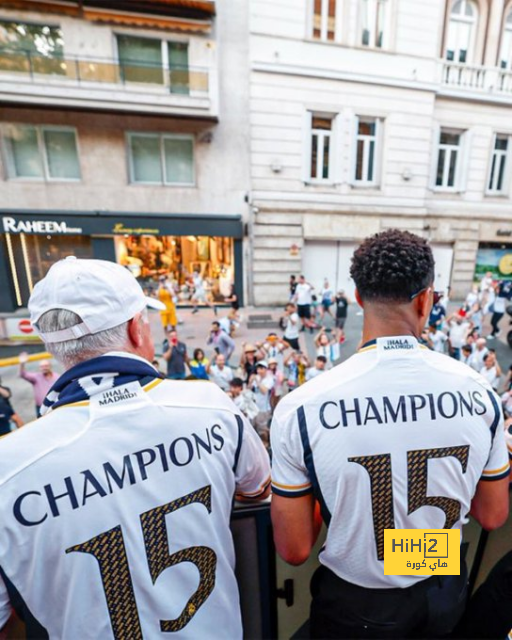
x=43, y=251
x=179, y=258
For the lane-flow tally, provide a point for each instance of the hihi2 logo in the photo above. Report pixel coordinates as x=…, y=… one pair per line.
x=419, y=552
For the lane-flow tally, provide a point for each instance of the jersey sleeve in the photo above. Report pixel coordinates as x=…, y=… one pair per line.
x=498, y=465
x=5, y=605
x=289, y=475
x=252, y=466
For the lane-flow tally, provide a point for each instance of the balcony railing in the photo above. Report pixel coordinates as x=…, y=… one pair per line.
x=489, y=80
x=79, y=70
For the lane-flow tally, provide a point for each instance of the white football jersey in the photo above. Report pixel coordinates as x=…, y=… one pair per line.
x=395, y=436
x=114, y=514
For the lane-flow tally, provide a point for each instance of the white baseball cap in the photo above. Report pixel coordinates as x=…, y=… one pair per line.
x=104, y=294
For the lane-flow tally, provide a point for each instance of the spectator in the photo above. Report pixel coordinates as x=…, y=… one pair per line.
x=200, y=365
x=326, y=298
x=437, y=338
x=342, y=303
x=438, y=311
x=320, y=367
x=220, y=373
x=248, y=360
x=42, y=381
x=293, y=287
x=7, y=413
x=274, y=347
x=457, y=334
x=325, y=347
x=166, y=296
x=479, y=353
x=277, y=389
x=175, y=354
x=244, y=399
x=303, y=293
x=466, y=354
x=262, y=383
x=296, y=364
x=290, y=324
x=503, y=295
x=491, y=370
x=221, y=341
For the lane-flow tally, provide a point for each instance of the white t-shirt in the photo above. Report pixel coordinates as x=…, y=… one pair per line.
x=394, y=416
x=221, y=377
x=438, y=339
x=263, y=397
x=291, y=331
x=491, y=375
x=458, y=334
x=303, y=293
x=477, y=359
x=313, y=372
x=114, y=513
x=327, y=294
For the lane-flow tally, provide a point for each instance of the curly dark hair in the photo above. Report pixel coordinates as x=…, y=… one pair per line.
x=392, y=265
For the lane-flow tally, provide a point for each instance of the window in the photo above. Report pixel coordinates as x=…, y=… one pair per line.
x=373, y=22
x=448, y=159
x=506, y=44
x=41, y=153
x=461, y=31
x=320, y=161
x=498, y=165
x=34, y=48
x=148, y=60
x=324, y=19
x=161, y=159
x=366, y=150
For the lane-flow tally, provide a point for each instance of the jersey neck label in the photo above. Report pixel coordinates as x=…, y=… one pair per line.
x=392, y=345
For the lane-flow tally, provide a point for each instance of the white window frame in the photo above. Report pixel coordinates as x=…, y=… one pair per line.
x=330, y=180
x=41, y=147
x=166, y=77
x=499, y=154
x=161, y=137
x=460, y=19
x=373, y=23
x=324, y=20
x=461, y=163
x=507, y=30
x=377, y=138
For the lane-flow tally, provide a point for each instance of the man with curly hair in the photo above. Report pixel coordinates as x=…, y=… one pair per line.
x=397, y=436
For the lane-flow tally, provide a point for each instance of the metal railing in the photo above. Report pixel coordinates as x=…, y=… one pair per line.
x=490, y=80
x=183, y=80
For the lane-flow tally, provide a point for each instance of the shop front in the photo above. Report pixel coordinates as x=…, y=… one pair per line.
x=149, y=245
x=496, y=258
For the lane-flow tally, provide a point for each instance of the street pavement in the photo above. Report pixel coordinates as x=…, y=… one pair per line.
x=194, y=332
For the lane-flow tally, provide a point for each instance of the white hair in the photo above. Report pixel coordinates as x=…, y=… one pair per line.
x=72, y=352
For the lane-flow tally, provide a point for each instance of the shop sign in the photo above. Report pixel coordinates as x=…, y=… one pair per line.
x=20, y=329
x=11, y=225
x=498, y=261
x=134, y=231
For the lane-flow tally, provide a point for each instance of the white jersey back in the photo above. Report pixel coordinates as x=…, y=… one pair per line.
x=396, y=436
x=114, y=513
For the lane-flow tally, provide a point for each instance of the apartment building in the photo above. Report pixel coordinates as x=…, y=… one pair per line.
x=123, y=136
x=370, y=114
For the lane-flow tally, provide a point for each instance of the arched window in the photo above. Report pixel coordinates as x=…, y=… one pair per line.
x=461, y=31
x=506, y=44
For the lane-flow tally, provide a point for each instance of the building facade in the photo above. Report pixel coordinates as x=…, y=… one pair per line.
x=370, y=114
x=123, y=135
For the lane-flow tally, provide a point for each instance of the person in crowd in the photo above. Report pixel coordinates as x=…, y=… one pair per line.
x=438, y=312
x=326, y=300
x=486, y=288
x=42, y=380
x=290, y=323
x=491, y=370
x=221, y=374
x=320, y=367
x=244, y=399
x=466, y=354
x=7, y=413
x=326, y=347
x=166, y=296
x=335, y=445
x=119, y=490
x=278, y=386
x=200, y=295
x=292, y=287
x=274, y=347
x=341, y=301
x=458, y=331
x=296, y=364
x=261, y=384
x=479, y=353
x=472, y=297
x=199, y=366
x=233, y=299
x=156, y=363
x=175, y=354
x=503, y=291
x=437, y=338
x=221, y=341
x=303, y=299
x=476, y=315
x=315, y=304
x=248, y=360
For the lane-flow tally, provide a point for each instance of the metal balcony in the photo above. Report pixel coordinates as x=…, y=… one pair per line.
x=132, y=85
